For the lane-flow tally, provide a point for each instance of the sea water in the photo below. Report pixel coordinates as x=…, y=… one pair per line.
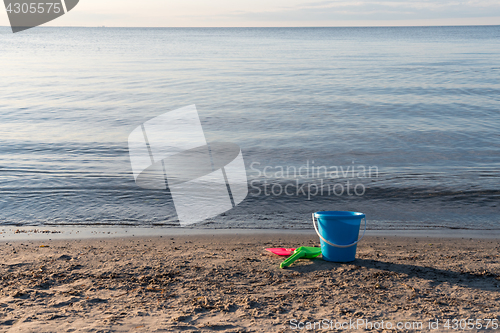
x=401, y=124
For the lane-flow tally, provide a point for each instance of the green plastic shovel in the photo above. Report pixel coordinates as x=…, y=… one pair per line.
x=305, y=252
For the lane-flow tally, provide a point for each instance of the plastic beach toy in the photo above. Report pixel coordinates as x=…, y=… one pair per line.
x=338, y=232
x=281, y=251
x=305, y=252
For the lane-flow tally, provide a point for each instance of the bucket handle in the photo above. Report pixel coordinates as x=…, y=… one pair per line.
x=336, y=245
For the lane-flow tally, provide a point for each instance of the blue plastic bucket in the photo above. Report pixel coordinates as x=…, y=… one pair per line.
x=338, y=233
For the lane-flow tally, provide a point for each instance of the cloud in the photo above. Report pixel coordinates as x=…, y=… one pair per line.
x=376, y=10
x=254, y=13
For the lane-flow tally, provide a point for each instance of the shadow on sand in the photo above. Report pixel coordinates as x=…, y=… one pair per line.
x=484, y=280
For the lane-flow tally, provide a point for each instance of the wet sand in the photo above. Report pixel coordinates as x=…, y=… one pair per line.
x=228, y=283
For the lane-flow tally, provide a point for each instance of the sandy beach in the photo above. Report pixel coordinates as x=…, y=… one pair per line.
x=229, y=283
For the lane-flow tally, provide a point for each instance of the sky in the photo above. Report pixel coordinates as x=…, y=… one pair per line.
x=277, y=13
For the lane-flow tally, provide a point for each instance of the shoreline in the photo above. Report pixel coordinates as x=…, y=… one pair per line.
x=228, y=283
x=13, y=233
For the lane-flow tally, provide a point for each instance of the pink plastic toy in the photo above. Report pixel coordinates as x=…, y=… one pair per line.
x=281, y=251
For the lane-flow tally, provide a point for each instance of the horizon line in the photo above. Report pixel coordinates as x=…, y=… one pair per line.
x=270, y=27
